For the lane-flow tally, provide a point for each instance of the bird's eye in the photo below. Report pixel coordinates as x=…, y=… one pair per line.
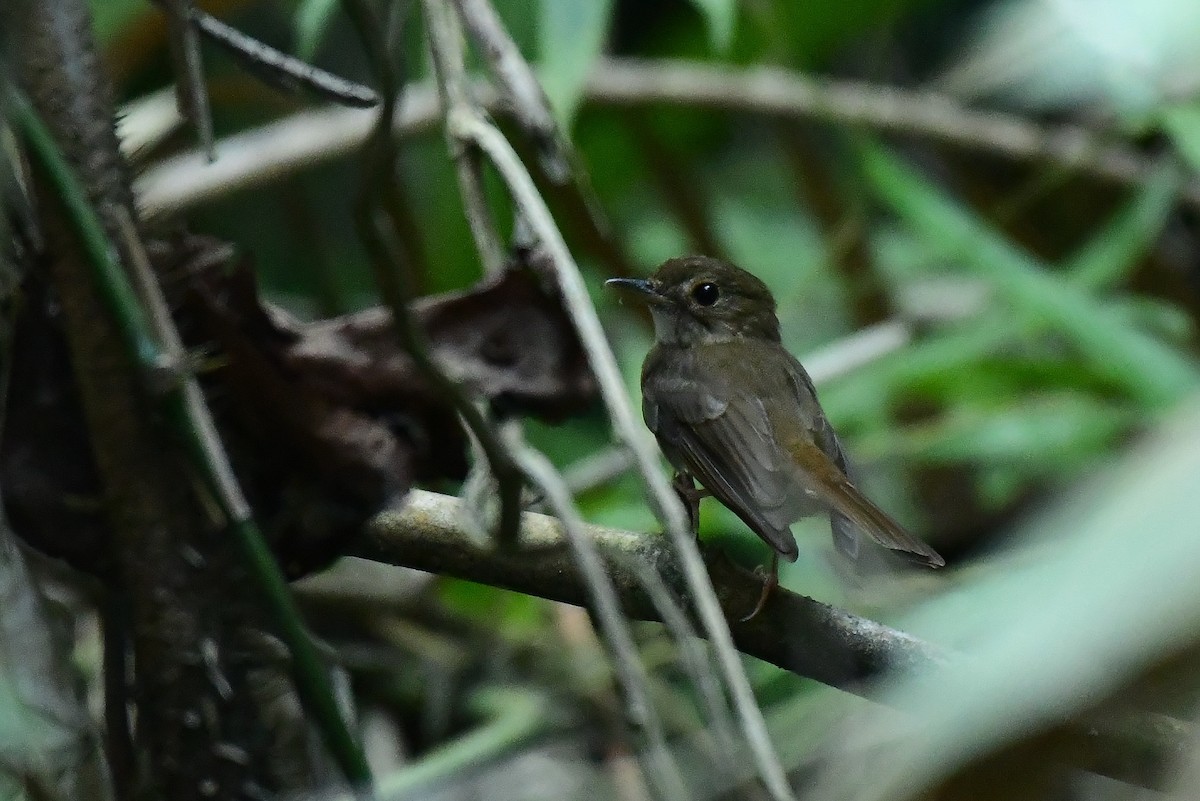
x=706, y=293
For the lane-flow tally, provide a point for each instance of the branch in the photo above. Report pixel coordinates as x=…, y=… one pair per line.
x=444, y=38
x=800, y=635
x=519, y=85
x=888, y=109
x=259, y=155
x=793, y=632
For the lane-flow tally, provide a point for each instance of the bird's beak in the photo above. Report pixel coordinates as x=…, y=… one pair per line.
x=642, y=286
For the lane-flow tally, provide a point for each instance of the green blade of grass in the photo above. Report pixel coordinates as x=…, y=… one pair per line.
x=1148, y=370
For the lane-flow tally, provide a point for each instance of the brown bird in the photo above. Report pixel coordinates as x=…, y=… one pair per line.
x=733, y=409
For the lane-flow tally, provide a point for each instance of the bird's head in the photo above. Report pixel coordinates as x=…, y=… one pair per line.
x=698, y=299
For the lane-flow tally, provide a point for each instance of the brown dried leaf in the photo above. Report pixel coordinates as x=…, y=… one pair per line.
x=324, y=422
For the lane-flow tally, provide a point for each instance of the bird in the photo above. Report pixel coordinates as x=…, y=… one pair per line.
x=733, y=409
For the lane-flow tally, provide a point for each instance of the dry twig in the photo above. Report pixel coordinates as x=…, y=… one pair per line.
x=259, y=155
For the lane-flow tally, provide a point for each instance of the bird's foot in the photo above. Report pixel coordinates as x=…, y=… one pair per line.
x=770, y=579
x=685, y=488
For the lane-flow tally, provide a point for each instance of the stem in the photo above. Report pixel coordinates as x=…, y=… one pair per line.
x=185, y=408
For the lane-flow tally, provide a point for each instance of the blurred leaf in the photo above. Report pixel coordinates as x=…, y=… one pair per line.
x=46, y=739
x=719, y=17
x=1182, y=124
x=1157, y=318
x=1109, y=590
x=511, y=615
x=517, y=716
x=1128, y=56
x=1040, y=435
x=953, y=355
x=1147, y=369
x=1112, y=253
x=811, y=32
x=571, y=36
x=948, y=352
x=111, y=18
x=311, y=20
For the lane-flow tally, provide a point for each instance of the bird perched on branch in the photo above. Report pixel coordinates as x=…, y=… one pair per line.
x=734, y=410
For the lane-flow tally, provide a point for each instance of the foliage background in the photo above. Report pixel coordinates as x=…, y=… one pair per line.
x=1037, y=422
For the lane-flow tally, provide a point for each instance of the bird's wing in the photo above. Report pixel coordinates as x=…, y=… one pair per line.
x=823, y=464
x=722, y=436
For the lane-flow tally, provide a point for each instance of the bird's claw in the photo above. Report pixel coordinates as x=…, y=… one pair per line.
x=770, y=580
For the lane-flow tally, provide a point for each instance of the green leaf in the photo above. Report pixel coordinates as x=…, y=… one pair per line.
x=1126, y=57
x=1148, y=370
x=46, y=738
x=571, y=36
x=311, y=21
x=1104, y=589
x=1052, y=433
x=1182, y=124
x=113, y=18
x=1112, y=253
x=719, y=17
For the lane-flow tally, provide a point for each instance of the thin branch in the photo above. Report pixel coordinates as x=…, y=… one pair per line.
x=526, y=102
x=889, y=109
x=445, y=45
x=602, y=600
x=519, y=86
x=261, y=155
x=281, y=70
x=597, y=469
x=855, y=351
x=629, y=430
x=190, y=90
x=445, y=48
x=257, y=156
x=694, y=656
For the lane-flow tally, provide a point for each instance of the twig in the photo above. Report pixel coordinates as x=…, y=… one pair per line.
x=695, y=657
x=191, y=91
x=769, y=90
x=629, y=430
x=270, y=65
x=597, y=469
x=857, y=350
x=281, y=70
x=262, y=155
x=380, y=241
x=309, y=138
x=445, y=45
x=519, y=86
x=603, y=601
x=445, y=48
